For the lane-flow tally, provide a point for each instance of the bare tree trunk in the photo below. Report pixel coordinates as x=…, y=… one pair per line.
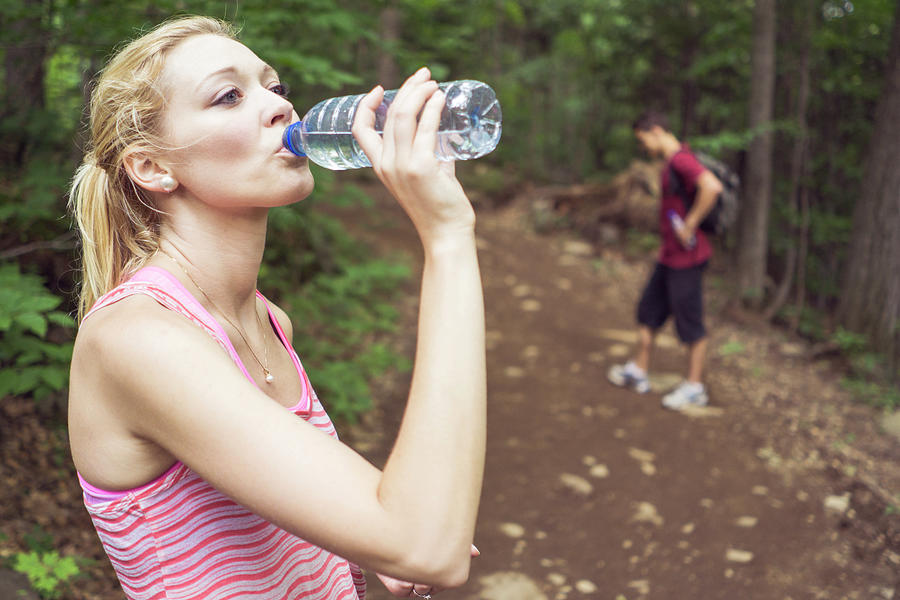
x=389, y=32
x=24, y=69
x=798, y=161
x=753, y=232
x=871, y=300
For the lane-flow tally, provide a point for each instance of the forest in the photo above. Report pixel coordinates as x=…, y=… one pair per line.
x=801, y=98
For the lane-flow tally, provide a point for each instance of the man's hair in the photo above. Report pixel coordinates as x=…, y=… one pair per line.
x=650, y=119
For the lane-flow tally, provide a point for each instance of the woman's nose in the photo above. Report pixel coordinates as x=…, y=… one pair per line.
x=281, y=110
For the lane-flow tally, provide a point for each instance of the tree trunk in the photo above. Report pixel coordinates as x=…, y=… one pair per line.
x=754, y=217
x=799, y=154
x=871, y=301
x=24, y=69
x=389, y=33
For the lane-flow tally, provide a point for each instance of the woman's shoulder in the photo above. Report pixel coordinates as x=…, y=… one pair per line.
x=129, y=329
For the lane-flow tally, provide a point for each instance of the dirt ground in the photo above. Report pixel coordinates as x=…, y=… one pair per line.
x=781, y=488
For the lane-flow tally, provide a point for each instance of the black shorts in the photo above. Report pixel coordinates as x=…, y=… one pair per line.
x=677, y=292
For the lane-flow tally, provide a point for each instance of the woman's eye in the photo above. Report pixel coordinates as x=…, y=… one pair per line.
x=229, y=97
x=281, y=89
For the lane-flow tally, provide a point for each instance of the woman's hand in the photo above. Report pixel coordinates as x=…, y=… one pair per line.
x=408, y=589
x=403, y=158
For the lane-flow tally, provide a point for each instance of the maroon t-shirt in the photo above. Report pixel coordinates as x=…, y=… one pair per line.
x=672, y=253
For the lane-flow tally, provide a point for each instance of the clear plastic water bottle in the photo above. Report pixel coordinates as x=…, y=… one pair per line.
x=470, y=127
x=678, y=225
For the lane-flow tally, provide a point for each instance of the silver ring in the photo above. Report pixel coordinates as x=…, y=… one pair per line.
x=425, y=596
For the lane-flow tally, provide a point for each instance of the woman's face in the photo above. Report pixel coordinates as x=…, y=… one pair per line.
x=225, y=117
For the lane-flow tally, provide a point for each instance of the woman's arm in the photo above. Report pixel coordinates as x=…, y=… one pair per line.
x=170, y=386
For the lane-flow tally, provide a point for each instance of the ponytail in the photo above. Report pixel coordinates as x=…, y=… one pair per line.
x=118, y=223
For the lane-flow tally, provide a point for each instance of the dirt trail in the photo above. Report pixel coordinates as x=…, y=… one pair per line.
x=595, y=492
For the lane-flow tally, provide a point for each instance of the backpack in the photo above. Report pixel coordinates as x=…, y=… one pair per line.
x=724, y=212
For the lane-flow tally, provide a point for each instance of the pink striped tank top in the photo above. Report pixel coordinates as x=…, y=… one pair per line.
x=177, y=537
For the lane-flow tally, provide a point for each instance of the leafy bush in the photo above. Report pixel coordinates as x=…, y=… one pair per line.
x=30, y=363
x=48, y=572
x=338, y=298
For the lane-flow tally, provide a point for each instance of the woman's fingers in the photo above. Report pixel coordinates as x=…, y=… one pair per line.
x=403, y=124
x=426, y=133
x=363, y=128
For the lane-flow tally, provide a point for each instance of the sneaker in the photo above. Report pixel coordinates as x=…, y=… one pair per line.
x=685, y=395
x=629, y=375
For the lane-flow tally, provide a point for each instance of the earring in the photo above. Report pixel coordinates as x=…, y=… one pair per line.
x=168, y=183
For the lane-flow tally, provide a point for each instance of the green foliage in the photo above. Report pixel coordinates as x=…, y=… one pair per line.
x=731, y=348
x=338, y=297
x=30, y=362
x=48, y=572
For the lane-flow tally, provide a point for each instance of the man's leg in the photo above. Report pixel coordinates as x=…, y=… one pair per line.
x=686, y=297
x=646, y=337
x=697, y=358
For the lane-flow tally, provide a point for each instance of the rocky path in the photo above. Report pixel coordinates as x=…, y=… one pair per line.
x=595, y=492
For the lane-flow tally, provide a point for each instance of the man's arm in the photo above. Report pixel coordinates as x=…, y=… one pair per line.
x=708, y=189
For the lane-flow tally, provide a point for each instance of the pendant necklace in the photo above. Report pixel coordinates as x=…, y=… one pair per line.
x=269, y=378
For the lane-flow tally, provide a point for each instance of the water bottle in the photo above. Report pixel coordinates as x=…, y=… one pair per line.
x=470, y=127
x=678, y=225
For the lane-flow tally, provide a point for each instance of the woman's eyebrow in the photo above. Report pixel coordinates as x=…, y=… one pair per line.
x=265, y=70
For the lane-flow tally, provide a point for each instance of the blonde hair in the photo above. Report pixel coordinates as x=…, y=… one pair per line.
x=118, y=225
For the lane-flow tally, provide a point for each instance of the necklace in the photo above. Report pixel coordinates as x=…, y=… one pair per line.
x=265, y=367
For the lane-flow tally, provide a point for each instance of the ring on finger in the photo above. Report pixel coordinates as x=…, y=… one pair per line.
x=425, y=596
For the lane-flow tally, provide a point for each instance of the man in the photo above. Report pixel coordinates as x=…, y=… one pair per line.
x=675, y=287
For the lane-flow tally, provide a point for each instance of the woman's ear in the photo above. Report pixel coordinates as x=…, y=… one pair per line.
x=147, y=173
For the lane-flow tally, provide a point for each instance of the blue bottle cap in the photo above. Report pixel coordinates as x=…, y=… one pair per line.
x=290, y=137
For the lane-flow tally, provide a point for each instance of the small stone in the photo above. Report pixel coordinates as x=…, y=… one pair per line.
x=641, y=586
x=760, y=490
x=579, y=485
x=546, y=563
x=838, y=504
x=641, y=455
x=648, y=469
x=588, y=460
x=746, y=521
x=738, y=556
x=688, y=528
x=513, y=530
x=521, y=290
x=600, y=471
x=646, y=512
x=619, y=350
x=564, y=284
x=619, y=434
x=519, y=548
x=557, y=579
x=514, y=372
x=585, y=587
x=578, y=248
x=506, y=585
x=530, y=305
x=626, y=544
x=531, y=352
x=596, y=357
x=729, y=573
x=891, y=424
x=706, y=502
x=540, y=535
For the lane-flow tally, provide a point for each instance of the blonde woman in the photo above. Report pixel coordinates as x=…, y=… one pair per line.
x=210, y=469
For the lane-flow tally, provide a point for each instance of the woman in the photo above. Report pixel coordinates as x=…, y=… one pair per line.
x=195, y=432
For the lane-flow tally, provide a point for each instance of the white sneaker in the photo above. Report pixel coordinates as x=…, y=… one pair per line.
x=685, y=395
x=629, y=375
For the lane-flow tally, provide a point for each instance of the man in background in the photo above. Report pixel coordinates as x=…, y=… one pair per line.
x=675, y=286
